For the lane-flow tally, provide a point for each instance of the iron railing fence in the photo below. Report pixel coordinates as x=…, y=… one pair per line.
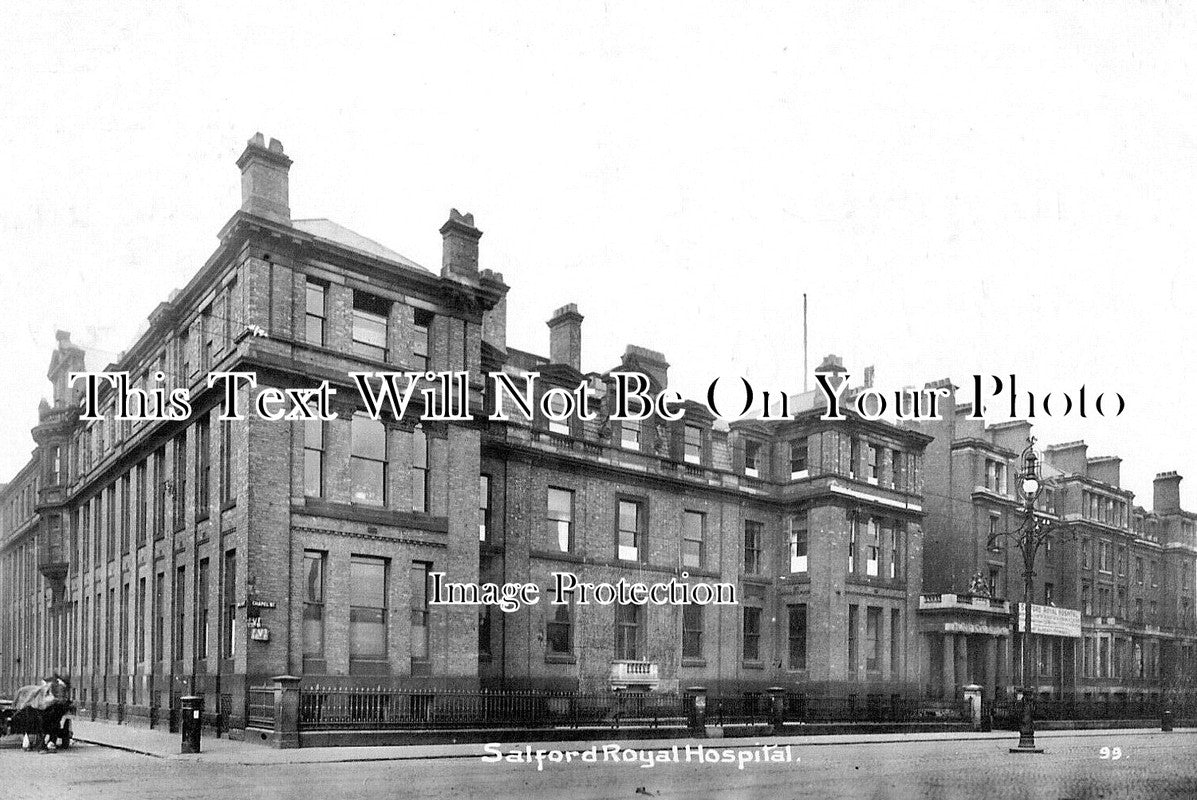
x=1117, y=707
x=348, y=708
x=338, y=707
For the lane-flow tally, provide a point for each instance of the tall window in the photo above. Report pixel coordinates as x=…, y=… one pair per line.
x=561, y=631
x=367, y=609
x=110, y=516
x=226, y=461
x=798, y=542
x=874, y=466
x=207, y=333
x=180, y=479
x=797, y=636
x=873, y=551
x=1086, y=598
x=159, y=616
x=872, y=639
x=752, y=633
x=229, y=633
x=313, y=604
x=561, y=518
x=159, y=493
x=1086, y=554
x=141, y=503
x=317, y=297
x=126, y=510
x=85, y=632
x=367, y=460
x=798, y=453
x=895, y=550
x=179, y=613
x=483, y=507
x=693, y=445
x=691, y=631
x=895, y=643
x=419, y=612
x=203, y=467
x=422, y=341
x=752, y=458
x=853, y=543
x=753, y=534
x=419, y=470
x=370, y=325
x=631, y=531
x=692, y=525
x=628, y=620
x=313, y=457
x=201, y=624
x=484, y=623
x=853, y=643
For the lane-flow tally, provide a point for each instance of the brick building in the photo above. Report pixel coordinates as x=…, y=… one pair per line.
x=1113, y=588
x=150, y=559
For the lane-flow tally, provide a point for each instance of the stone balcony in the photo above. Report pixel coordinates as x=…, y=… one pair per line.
x=964, y=602
x=634, y=674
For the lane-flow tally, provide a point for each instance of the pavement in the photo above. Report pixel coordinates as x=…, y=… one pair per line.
x=161, y=744
x=1075, y=765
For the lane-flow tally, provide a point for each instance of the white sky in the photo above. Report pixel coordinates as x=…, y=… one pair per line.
x=961, y=188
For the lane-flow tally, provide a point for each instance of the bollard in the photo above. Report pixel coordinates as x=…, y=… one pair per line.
x=1166, y=720
x=190, y=720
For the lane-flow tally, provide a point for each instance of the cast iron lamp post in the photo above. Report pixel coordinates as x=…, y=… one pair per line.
x=1028, y=538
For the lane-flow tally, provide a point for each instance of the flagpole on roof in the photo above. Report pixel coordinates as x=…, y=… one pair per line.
x=805, y=364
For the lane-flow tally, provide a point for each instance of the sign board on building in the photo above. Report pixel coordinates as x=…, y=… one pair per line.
x=1051, y=621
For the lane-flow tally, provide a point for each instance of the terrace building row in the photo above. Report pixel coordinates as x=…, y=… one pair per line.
x=1112, y=597
x=151, y=559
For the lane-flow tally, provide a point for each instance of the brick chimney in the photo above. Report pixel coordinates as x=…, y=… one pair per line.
x=460, y=249
x=265, y=187
x=565, y=336
x=1166, y=498
x=1071, y=458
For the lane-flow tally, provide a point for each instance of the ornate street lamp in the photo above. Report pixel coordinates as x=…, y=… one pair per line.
x=1028, y=538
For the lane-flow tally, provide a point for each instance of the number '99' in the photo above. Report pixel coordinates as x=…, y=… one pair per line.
x=1110, y=753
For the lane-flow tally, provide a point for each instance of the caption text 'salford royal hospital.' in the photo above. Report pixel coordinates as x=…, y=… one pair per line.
x=149, y=560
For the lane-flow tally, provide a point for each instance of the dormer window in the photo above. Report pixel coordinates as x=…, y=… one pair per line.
x=752, y=458
x=629, y=434
x=995, y=476
x=798, y=459
x=693, y=445
x=558, y=406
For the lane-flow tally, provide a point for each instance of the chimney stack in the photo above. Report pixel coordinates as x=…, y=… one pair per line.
x=265, y=187
x=460, y=249
x=565, y=336
x=1166, y=499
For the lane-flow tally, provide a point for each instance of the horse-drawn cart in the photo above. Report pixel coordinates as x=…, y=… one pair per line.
x=41, y=713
